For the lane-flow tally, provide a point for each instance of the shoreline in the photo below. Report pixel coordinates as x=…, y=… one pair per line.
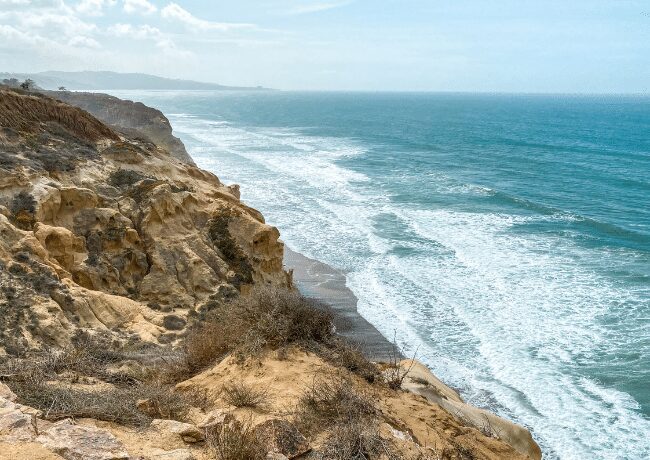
x=328, y=285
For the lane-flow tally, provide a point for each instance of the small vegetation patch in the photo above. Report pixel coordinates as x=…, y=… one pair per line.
x=93, y=378
x=23, y=209
x=112, y=404
x=230, y=250
x=235, y=441
x=125, y=178
x=244, y=395
x=333, y=400
x=266, y=318
x=270, y=318
x=357, y=441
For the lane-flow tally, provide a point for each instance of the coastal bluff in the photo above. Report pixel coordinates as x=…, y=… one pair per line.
x=135, y=118
x=145, y=313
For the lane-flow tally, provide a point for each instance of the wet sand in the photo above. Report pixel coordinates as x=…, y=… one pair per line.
x=328, y=285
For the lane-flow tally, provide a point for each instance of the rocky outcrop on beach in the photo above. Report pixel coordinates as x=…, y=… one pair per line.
x=145, y=313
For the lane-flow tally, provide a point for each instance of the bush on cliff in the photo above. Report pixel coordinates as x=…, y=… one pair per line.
x=23, y=208
x=266, y=318
x=271, y=318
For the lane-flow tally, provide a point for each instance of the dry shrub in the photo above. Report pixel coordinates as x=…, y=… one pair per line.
x=112, y=404
x=357, y=441
x=333, y=400
x=38, y=380
x=395, y=374
x=235, y=441
x=205, y=344
x=243, y=395
x=266, y=318
x=349, y=356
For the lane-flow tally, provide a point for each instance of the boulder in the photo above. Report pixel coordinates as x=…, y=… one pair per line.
x=76, y=442
x=216, y=419
x=6, y=393
x=281, y=436
x=188, y=432
x=176, y=454
x=16, y=422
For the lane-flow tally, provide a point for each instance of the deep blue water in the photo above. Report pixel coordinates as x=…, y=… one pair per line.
x=506, y=235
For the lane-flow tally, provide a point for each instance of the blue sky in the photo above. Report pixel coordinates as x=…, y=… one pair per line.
x=414, y=45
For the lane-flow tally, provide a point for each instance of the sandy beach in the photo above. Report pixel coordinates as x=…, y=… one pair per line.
x=322, y=282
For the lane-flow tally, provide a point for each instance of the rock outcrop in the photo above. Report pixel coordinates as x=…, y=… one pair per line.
x=103, y=231
x=130, y=117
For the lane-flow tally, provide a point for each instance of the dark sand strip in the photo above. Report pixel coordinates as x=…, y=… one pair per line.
x=328, y=285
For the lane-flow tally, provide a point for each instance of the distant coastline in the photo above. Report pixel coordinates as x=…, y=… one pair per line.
x=98, y=81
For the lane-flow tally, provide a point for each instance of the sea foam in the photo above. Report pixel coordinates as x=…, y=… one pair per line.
x=506, y=316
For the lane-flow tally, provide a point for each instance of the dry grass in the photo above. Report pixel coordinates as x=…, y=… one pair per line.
x=243, y=395
x=51, y=381
x=112, y=404
x=205, y=344
x=394, y=375
x=275, y=319
x=357, y=441
x=235, y=441
x=349, y=356
x=266, y=318
x=346, y=418
x=333, y=400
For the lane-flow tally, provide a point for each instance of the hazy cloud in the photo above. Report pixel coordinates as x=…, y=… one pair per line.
x=94, y=7
x=175, y=12
x=317, y=7
x=141, y=32
x=139, y=7
x=84, y=42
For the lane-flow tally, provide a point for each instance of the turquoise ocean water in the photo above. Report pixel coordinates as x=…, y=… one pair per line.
x=507, y=236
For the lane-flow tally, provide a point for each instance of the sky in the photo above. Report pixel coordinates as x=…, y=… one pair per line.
x=568, y=46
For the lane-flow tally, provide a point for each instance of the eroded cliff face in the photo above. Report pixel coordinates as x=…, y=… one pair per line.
x=102, y=231
x=132, y=117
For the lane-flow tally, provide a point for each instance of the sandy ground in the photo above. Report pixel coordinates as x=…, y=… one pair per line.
x=323, y=282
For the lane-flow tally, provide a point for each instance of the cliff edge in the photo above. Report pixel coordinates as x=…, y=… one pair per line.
x=145, y=313
x=135, y=118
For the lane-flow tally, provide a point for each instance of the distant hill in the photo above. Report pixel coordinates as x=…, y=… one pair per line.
x=113, y=80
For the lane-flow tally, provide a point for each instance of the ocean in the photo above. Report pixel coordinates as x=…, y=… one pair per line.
x=506, y=237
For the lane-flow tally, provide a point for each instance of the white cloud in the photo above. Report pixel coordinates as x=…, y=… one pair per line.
x=94, y=7
x=139, y=7
x=175, y=12
x=317, y=7
x=6, y=3
x=146, y=32
x=47, y=24
x=142, y=32
x=84, y=42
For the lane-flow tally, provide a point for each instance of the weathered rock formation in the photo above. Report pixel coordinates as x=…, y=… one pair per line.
x=130, y=117
x=102, y=231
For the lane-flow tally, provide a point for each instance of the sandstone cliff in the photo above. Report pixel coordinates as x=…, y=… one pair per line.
x=133, y=117
x=104, y=231
x=145, y=313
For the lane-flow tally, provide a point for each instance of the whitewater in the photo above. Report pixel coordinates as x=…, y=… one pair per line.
x=507, y=238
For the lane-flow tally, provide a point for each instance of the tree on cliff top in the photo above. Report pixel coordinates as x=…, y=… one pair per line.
x=27, y=84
